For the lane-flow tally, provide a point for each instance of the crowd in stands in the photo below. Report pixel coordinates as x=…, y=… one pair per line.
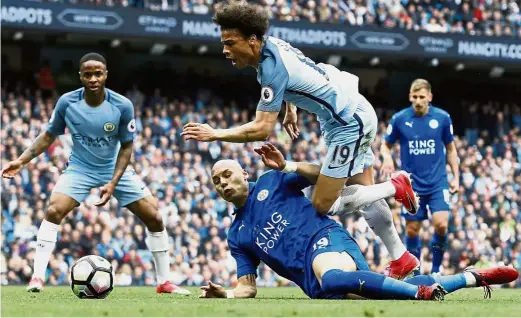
x=485, y=229
x=472, y=17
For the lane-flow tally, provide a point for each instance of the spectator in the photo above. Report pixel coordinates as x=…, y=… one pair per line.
x=492, y=18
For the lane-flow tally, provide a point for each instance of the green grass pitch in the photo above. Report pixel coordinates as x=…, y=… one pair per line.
x=143, y=301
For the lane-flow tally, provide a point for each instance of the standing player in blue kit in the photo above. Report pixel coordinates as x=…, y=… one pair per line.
x=276, y=224
x=426, y=146
x=103, y=129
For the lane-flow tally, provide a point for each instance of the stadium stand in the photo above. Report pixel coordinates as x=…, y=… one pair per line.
x=485, y=228
x=472, y=17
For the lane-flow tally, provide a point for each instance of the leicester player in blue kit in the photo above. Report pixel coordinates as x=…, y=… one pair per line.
x=347, y=120
x=103, y=128
x=426, y=146
x=276, y=224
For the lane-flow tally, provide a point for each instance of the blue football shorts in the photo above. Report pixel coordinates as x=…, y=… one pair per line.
x=331, y=239
x=430, y=204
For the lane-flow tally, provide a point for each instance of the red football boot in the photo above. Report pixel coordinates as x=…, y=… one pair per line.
x=170, y=288
x=492, y=276
x=404, y=192
x=403, y=267
x=432, y=292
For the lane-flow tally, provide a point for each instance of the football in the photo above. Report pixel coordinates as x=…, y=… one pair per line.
x=92, y=277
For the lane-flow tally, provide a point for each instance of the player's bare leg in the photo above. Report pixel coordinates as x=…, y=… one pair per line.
x=157, y=241
x=438, y=244
x=327, y=190
x=337, y=273
x=59, y=206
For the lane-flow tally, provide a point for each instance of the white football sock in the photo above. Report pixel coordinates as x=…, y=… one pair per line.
x=470, y=279
x=45, y=243
x=356, y=197
x=380, y=218
x=157, y=242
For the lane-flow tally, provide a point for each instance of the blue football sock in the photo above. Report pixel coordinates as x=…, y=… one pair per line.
x=413, y=245
x=367, y=284
x=450, y=283
x=438, y=244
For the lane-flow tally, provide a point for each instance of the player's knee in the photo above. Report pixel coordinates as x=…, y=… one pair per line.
x=413, y=230
x=154, y=222
x=441, y=228
x=322, y=205
x=54, y=214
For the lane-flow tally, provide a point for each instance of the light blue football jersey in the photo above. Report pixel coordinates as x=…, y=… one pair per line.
x=286, y=74
x=97, y=132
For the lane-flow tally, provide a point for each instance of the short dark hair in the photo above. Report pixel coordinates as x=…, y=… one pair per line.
x=247, y=18
x=93, y=57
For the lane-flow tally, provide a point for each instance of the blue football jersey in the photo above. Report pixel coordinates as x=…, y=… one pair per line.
x=276, y=226
x=286, y=74
x=97, y=132
x=422, y=146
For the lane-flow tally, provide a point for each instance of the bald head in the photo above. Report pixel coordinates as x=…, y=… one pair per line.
x=230, y=181
x=226, y=164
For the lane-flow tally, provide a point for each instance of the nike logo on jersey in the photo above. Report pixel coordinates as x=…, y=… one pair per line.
x=76, y=124
x=408, y=124
x=240, y=227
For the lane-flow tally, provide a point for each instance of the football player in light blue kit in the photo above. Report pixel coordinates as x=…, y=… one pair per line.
x=426, y=146
x=348, y=122
x=276, y=224
x=102, y=126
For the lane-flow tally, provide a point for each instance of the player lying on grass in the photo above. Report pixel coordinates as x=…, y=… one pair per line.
x=103, y=128
x=347, y=120
x=276, y=224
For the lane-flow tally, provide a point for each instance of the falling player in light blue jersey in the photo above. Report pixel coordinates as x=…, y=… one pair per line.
x=348, y=122
x=276, y=224
x=426, y=146
x=103, y=128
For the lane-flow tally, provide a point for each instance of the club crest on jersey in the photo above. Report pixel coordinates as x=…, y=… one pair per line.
x=108, y=127
x=267, y=94
x=263, y=194
x=433, y=123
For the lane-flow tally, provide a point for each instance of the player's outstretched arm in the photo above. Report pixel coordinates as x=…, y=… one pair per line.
x=274, y=159
x=42, y=142
x=257, y=130
x=246, y=288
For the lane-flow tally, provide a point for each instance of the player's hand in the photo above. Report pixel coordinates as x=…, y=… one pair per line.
x=212, y=291
x=199, y=132
x=105, y=194
x=290, y=122
x=454, y=186
x=387, y=166
x=271, y=156
x=11, y=169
